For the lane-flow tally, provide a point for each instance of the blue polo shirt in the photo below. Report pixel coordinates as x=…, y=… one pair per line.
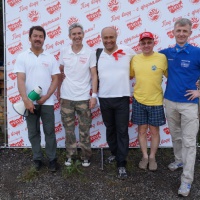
x=183, y=72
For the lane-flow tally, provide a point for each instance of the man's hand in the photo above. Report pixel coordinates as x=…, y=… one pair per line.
x=192, y=94
x=42, y=99
x=92, y=102
x=29, y=105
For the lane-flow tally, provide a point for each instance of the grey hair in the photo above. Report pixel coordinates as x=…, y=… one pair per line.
x=75, y=25
x=183, y=22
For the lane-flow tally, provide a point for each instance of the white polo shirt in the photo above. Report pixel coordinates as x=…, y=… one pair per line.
x=114, y=74
x=77, y=83
x=38, y=70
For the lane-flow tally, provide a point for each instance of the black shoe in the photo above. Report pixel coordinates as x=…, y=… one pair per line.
x=122, y=174
x=37, y=164
x=52, y=165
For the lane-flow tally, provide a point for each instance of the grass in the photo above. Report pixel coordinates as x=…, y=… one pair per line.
x=29, y=175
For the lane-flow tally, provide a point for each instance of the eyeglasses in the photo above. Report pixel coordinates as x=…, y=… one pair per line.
x=146, y=43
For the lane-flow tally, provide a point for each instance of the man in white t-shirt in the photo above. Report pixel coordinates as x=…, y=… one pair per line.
x=114, y=96
x=34, y=68
x=78, y=64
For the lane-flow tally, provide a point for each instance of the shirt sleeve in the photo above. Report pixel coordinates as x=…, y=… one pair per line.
x=19, y=65
x=93, y=59
x=132, y=73
x=55, y=66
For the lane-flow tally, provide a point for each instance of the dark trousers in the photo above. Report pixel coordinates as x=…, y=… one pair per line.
x=46, y=113
x=115, y=114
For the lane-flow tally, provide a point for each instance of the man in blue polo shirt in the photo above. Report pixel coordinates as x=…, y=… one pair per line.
x=181, y=101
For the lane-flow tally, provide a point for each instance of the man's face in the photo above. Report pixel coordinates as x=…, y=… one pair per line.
x=109, y=38
x=182, y=33
x=37, y=40
x=146, y=45
x=76, y=35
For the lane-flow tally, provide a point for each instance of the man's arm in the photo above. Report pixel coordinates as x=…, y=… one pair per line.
x=93, y=99
x=21, y=78
x=51, y=90
x=61, y=76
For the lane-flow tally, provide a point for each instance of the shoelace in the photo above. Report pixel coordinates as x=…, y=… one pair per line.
x=185, y=186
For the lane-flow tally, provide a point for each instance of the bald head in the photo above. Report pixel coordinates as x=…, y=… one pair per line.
x=109, y=38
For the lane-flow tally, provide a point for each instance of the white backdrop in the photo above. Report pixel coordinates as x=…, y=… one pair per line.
x=128, y=17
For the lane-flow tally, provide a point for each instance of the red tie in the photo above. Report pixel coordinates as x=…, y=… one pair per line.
x=115, y=54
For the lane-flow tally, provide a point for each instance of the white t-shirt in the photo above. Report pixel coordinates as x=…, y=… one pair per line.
x=114, y=74
x=77, y=83
x=38, y=70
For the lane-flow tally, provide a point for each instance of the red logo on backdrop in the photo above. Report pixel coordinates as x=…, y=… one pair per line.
x=130, y=100
x=175, y=7
x=57, y=56
x=165, y=141
x=154, y=14
x=72, y=20
x=15, y=98
x=166, y=130
x=156, y=39
x=15, y=26
x=93, y=16
x=94, y=41
x=135, y=24
x=136, y=48
x=16, y=122
x=96, y=113
x=13, y=3
x=15, y=49
x=33, y=16
x=73, y=2
x=130, y=124
x=117, y=29
x=56, y=106
x=133, y=1
x=170, y=34
x=54, y=33
x=95, y=137
x=18, y=144
x=194, y=1
x=113, y=5
x=134, y=143
x=58, y=128
x=15, y=133
x=195, y=22
x=12, y=76
x=53, y=9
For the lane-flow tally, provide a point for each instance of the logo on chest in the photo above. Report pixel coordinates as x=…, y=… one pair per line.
x=82, y=60
x=153, y=68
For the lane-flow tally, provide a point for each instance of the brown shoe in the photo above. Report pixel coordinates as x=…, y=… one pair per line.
x=143, y=163
x=152, y=164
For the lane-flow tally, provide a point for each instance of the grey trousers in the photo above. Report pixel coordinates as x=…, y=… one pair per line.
x=183, y=124
x=46, y=113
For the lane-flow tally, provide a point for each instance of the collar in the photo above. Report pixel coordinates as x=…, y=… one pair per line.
x=184, y=48
x=44, y=52
x=82, y=51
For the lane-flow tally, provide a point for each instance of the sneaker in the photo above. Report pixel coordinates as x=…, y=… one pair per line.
x=111, y=159
x=86, y=163
x=68, y=162
x=52, y=165
x=37, y=164
x=143, y=163
x=175, y=165
x=152, y=164
x=122, y=174
x=184, y=189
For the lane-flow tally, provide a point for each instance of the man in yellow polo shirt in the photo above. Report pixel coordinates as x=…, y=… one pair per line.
x=148, y=69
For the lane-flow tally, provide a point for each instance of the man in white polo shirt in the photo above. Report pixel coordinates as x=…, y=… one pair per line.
x=78, y=64
x=114, y=95
x=35, y=67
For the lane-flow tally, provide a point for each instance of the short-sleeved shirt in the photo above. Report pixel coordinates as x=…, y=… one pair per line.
x=38, y=70
x=114, y=74
x=148, y=72
x=77, y=84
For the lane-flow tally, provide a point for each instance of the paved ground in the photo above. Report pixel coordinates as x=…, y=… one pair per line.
x=18, y=180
